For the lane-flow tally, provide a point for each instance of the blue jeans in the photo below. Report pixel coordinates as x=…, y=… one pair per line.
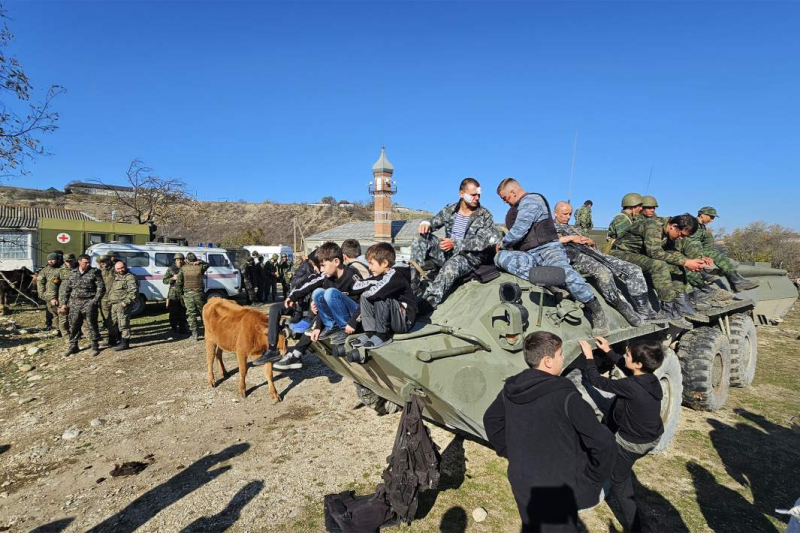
x=335, y=309
x=550, y=254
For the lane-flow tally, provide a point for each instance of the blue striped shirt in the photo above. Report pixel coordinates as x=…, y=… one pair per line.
x=459, y=227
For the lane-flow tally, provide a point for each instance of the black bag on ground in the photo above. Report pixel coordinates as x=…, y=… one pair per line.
x=413, y=465
x=347, y=513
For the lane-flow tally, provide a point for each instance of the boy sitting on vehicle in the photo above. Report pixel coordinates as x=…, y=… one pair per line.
x=387, y=302
x=351, y=251
x=635, y=414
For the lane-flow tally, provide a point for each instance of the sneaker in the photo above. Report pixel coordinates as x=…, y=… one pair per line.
x=375, y=342
x=289, y=362
x=327, y=332
x=359, y=342
x=339, y=337
x=300, y=327
x=267, y=357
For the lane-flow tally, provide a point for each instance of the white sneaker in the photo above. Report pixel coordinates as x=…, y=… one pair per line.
x=289, y=362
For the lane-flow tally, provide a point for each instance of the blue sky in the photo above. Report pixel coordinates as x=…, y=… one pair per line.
x=292, y=101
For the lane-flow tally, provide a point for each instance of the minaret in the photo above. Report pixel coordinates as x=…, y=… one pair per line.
x=382, y=189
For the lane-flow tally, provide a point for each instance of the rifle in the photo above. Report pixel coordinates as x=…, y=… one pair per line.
x=600, y=258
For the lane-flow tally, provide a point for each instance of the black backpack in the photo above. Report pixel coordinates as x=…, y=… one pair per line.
x=347, y=513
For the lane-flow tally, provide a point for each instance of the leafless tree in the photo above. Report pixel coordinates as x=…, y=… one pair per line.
x=151, y=197
x=21, y=122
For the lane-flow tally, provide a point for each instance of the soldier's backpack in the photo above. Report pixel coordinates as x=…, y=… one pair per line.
x=347, y=513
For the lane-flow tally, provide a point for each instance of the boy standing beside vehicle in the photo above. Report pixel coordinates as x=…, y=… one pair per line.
x=635, y=414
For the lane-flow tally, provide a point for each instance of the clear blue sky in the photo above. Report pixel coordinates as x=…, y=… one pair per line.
x=292, y=101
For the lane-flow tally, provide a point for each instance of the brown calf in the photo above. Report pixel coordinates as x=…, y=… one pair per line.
x=241, y=330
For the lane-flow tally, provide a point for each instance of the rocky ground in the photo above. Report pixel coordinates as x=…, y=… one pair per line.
x=208, y=461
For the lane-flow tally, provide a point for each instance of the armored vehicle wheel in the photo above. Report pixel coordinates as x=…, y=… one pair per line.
x=669, y=374
x=139, y=305
x=705, y=356
x=744, y=350
x=375, y=402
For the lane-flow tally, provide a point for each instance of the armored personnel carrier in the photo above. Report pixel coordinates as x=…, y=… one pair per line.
x=458, y=359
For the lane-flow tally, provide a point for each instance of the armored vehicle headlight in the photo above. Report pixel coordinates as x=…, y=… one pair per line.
x=510, y=293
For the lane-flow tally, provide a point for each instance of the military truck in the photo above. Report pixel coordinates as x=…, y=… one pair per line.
x=458, y=359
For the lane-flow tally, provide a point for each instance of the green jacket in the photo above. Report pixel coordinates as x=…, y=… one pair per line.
x=175, y=286
x=285, y=270
x=124, y=289
x=619, y=224
x=647, y=237
x=583, y=218
x=108, y=279
x=704, y=237
x=47, y=282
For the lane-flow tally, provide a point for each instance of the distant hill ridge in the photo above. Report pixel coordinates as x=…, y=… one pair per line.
x=224, y=222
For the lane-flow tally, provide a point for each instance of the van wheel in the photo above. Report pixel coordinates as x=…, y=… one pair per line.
x=705, y=356
x=214, y=294
x=375, y=402
x=669, y=374
x=139, y=305
x=744, y=350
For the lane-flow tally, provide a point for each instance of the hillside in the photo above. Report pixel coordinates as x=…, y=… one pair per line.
x=227, y=223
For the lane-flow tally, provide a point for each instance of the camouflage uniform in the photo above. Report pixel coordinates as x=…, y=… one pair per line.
x=194, y=298
x=48, y=281
x=701, y=244
x=250, y=279
x=645, y=244
x=261, y=279
x=63, y=318
x=467, y=253
x=583, y=218
x=82, y=292
x=105, y=304
x=619, y=224
x=586, y=265
x=284, y=274
x=271, y=278
x=177, y=311
x=123, y=293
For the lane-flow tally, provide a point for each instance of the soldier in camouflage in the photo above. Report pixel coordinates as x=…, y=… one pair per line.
x=604, y=268
x=583, y=216
x=532, y=241
x=650, y=244
x=106, y=268
x=469, y=232
x=649, y=205
x=123, y=294
x=80, y=294
x=191, y=277
x=175, y=306
x=271, y=278
x=48, y=281
x=250, y=280
x=631, y=207
x=261, y=278
x=67, y=266
x=284, y=274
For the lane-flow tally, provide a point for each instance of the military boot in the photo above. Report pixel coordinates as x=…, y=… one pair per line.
x=195, y=335
x=670, y=312
x=685, y=309
x=73, y=348
x=95, y=348
x=625, y=309
x=701, y=300
x=123, y=345
x=599, y=321
x=642, y=306
x=739, y=283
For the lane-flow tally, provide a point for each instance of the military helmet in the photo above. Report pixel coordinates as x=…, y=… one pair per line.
x=52, y=257
x=69, y=257
x=632, y=199
x=649, y=201
x=275, y=256
x=284, y=255
x=111, y=253
x=178, y=256
x=103, y=259
x=255, y=254
x=708, y=210
x=191, y=257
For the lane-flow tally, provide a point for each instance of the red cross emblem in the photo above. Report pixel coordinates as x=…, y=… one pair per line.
x=63, y=238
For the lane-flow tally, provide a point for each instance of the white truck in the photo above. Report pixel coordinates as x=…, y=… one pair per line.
x=149, y=262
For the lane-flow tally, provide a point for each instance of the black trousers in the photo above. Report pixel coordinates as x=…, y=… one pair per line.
x=622, y=487
x=275, y=312
x=177, y=316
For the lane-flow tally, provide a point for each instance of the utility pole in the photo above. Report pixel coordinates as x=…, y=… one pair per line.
x=294, y=227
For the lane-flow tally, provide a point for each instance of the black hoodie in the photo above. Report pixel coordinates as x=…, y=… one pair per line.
x=636, y=412
x=558, y=454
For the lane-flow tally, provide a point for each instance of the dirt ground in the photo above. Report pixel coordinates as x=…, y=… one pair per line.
x=213, y=462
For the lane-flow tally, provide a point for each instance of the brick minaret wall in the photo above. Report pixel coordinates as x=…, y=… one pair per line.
x=383, y=207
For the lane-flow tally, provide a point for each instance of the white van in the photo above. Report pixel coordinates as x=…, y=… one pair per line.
x=149, y=262
x=268, y=251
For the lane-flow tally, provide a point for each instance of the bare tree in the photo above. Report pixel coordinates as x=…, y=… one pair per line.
x=21, y=122
x=151, y=197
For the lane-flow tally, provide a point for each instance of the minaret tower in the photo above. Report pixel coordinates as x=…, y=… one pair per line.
x=382, y=189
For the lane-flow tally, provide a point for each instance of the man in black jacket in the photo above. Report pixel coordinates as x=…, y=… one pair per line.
x=559, y=455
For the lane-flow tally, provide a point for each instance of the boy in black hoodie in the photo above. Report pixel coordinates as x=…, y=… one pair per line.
x=559, y=455
x=387, y=302
x=635, y=413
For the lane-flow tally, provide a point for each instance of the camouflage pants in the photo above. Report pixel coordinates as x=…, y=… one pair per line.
x=451, y=266
x=106, y=313
x=194, y=300
x=121, y=318
x=80, y=311
x=693, y=250
x=249, y=289
x=60, y=320
x=550, y=254
x=604, y=279
x=668, y=280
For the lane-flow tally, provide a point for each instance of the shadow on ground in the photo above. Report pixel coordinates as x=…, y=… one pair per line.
x=149, y=504
x=228, y=516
